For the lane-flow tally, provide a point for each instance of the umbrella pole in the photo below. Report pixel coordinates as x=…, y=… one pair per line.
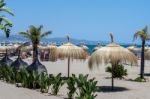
x=68, y=66
x=112, y=78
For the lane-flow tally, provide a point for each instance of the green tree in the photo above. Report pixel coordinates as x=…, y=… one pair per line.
x=35, y=34
x=144, y=36
x=5, y=24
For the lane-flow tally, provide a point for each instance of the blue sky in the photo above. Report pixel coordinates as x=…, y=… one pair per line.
x=82, y=19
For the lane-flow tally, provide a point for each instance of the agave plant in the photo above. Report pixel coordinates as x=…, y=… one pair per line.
x=34, y=80
x=87, y=87
x=24, y=78
x=6, y=73
x=44, y=82
x=57, y=83
x=71, y=83
x=29, y=79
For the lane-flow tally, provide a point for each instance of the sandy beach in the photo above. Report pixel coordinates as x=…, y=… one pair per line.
x=125, y=89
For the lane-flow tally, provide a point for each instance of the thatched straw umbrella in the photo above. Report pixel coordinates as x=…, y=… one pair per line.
x=98, y=46
x=147, y=54
x=70, y=51
x=4, y=48
x=134, y=50
x=15, y=46
x=27, y=48
x=42, y=47
x=113, y=54
x=84, y=47
x=53, y=52
x=137, y=51
x=131, y=48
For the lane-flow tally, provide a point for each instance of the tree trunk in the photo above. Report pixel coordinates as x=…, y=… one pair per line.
x=112, y=78
x=142, y=60
x=35, y=46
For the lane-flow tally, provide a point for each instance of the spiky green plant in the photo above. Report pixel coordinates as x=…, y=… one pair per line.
x=5, y=70
x=71, y=83
x=57, y=83
x=25, y=81
x=44, y=82
x=34, y=79
x=87, y=87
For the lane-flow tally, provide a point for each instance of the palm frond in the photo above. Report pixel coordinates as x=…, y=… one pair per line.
x=143, y=34
x=25, y=34
x=45, y=34
x=2, y=4
x=7, y=21
x=35, y=34
x=32, y=29
x=145, y=29
x=148, y=37
x=138, y=34
x=1, y=27
x=40, y=28
x=7, y=10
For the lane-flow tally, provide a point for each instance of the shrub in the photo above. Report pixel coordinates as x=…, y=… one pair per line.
x=7, y=74
x=138, y=79
x=119, y=71
x=71, y=83
x=24, y=78
x=83, y=87
x=44, y=82
x=87, y=87
x=57, y=82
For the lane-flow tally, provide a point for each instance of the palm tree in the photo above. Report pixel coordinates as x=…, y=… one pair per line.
x=5, y=24
x=35, y=34
x=144, y=36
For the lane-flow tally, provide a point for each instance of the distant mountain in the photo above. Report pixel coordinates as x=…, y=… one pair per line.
x=60, y=40
x=57, y=40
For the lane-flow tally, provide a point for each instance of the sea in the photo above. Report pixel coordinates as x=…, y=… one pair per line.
x=91, y=47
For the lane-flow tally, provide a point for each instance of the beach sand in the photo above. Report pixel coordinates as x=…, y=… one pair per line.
x=125, y=89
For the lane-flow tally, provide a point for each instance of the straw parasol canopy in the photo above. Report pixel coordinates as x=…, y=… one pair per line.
x=53, y=52
x=27, y=48
x=98, y=46
x=70, y=51
x=147, y=54
x=42, y=47
x=113, y=54
x=131, y=48
x=83, y=46
x=15, y=46
x=134, y=48
x=4, y=48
